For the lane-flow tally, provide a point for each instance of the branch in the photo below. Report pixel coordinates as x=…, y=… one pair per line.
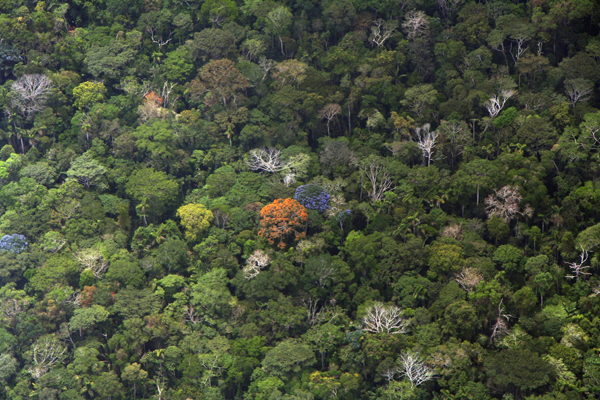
x=160, y=42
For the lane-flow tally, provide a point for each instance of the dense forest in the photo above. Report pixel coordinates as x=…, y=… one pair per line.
x=299, y=199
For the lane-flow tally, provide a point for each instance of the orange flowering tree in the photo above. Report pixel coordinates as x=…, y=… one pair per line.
x=283, y=219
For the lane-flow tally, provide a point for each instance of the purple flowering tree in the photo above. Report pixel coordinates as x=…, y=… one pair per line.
x=313, y=197
x=14, y=243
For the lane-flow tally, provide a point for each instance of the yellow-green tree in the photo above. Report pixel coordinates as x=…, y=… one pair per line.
x=195, y=218
x=89, y=93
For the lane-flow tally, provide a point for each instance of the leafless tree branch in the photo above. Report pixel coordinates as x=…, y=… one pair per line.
x=386, y=319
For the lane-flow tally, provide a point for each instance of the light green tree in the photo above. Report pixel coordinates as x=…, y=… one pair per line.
x=195, y=218
x=88, y=93
x=86, y=318
x=418, y=98
x=88, y=172
x=288, y=357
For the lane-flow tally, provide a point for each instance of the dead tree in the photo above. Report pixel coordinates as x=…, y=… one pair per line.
x=469, y=278
x=329, y=112
x=578, y=90
x=256, y=263
x=500, y=328
x=426, y=140
x=414, y=369
x=505, y=203
x=416, y=24
x=577, y=268
x=31, y=93
x=266, y=159
x=159, y=41
x=46, y=352
x=497, y=101
x=382, y=30
x=93, y=260
x=379, y=180
x=386, y=319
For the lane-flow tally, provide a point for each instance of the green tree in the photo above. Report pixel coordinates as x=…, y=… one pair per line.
x=287, y=358
x=277, y=23
x=218, y=12
x=177, y=66
x=419, y=98
x=516, y=370
x=443, y=259
x=88, y=172
x=152, y=190
x=477, y=174
x=86, y=318
x=218, y=81
x=509, y=257
x=135, y=375
x=210, y=296
x=325, y=338
x=112, y=60
x=88, y=93
x=195, y=218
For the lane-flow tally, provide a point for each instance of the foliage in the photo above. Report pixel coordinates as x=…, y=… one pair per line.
x=88, y=93
x=312, y=197
x=281, y=219
x=350, y=199
x=195, y=218
x=14, y=243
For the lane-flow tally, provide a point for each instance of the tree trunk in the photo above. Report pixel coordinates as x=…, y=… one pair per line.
x=349, y=124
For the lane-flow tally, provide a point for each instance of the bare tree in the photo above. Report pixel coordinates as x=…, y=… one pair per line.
x=497, y=101
x=505, y=203
x=46, y=352
x=289, y=178
x=469, y=278
x=426, y=141
x=379, y=180
x=458, y=137
x=447, y=7
x=578, y=268
x=316, y=314
x=266, y=65
x=416, y=24
x=578, y=90
x=385, y=319
x=500, y=328
x=165, y=94
x=589, y=126
x=265, y=159
x=190, y=315
x=31, y=93
x=94, y=260
x=159, y=41
x=390, y=373
x=151, y=109
x=520, y=40
x=12, y=304
x=255, y=263
x=329, y=112
x=414, y=369
x=382, y=30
